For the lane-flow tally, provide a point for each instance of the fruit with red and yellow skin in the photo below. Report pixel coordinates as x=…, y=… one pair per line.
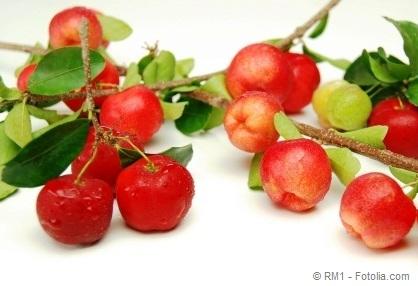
x=64, y=28
x=249, y=121
x=296, y=174
x=306, y=80
x=260, y=67
x=106, y=165
x=156, y=196
x=375, y=209
x=75, y=213
x=24, y=76
x=401, y=118
x=135, y=112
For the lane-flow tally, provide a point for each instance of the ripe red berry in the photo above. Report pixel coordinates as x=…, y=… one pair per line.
x=306, y=80
x=375, y=209
x=401, y=117
x=296, y=174
x=109, y=76
x=260, y=67
x=154, y=198
x=135, y=112
x=75, y=213
x=23, y=78
x=106, y=166
x=249, y=121
x=64, y=28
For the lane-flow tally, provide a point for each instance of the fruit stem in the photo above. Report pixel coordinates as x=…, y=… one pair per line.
x=89, y=162
x=150, y=165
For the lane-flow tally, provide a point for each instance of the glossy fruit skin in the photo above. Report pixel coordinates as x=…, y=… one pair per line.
x=306, y=80
x=23, y=78
x=249, y=121
x=296, y=174
x=135, y=112
x=259, y=67
x=154, y=200
x=375, y=209
x=402, y=122
x=64, y=28
x=106, y=166
x=109, y=75
x=75, y=214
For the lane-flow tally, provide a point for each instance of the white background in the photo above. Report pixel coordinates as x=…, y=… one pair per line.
x=232, y=236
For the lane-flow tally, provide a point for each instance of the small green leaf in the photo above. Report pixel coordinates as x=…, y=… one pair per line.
x=114, y=29
x=66, y=119
x=47, y=156
x=160, y=69
x=184, y=89
x=343, y=164
x=216, y=85
x=216, y=118
x=319, y=28
x=409, y=32
x=18, y=126
x=144, y=62
x=8, y=93
x=5, y=189
x=338, y=63
x=61, y=71
x=183, y=68
x=405, y=176
x=195, y=117
x=8, y=149
x=285, y=127
x=372, y=136
x=413, y=193
x=395, y=67
x=183, y=154
x=359, y=73
x=379, y=68
x=412, y=92
x=132, y=76
x=254, y=177
x=51, y=116
x=173, y=110
x=273, y=42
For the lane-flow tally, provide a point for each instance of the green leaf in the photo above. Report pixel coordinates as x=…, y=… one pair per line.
x=183, y=68
x=173, y=110
x=5, y=189
x=184, y=89
x=216, y=85
x=372, y=136
x=66, y=119
x=183, y=154
x=338, y=63
x=273, y=42
x=413, y=193
x=132, y=76
x=319, y=27
x=160, y=69
x=195, y=117
x=359, y=72
x=379, y=68
x=8, y=149
x=18, y=126
x=215, y=119
x=144, y=62
x=412, y=92
x=32, y=59
x=404, y=176
x=409, y=32
x=61, y=71
x=8, y=93
x=285, y=127
x=51, y=116
x=254, y=177
x=114, y=29
x=343, y=164
x=395, y=67
x=47, y=156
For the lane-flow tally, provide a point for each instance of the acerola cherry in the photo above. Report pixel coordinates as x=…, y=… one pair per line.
x=109, y=76
x=296, y=174
x=375, y=209
x=154, y=197
x=249, y=122
x=135, y=112
x=75, y=213
x=105, y=166
x=401, y=118
x=260, y=67
x=23, y=79
x=64, y=28
x=306, y=80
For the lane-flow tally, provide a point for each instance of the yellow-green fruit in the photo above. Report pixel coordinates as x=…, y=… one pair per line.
x=348, y=107
x=320, y=99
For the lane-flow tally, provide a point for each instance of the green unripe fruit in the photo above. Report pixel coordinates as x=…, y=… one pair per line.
x=348, y=107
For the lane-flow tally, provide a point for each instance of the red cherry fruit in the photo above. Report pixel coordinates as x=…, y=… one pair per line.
x=109, y=75
x=154, y=197
x=375, y=209
x=306, y=80
x=24, y=76
x=106, y=166
x=75, y=213
x=296, y=174
x=64, y=28
x=260, y=67
x=134, y=112
x=401, y=118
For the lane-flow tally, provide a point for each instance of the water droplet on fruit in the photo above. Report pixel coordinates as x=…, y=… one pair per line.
x=89, y=208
